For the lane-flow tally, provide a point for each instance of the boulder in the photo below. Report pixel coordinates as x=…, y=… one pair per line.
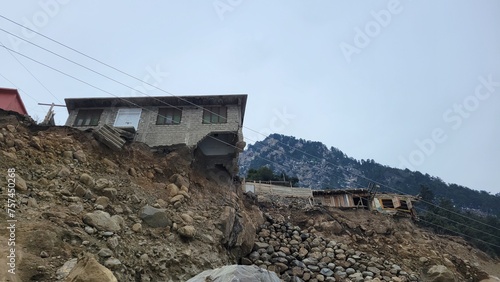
x=89, y=270
x=137, y=227
x=109, y=163
x=440, y=273
x=103, y=201
x=80, y=156
x=172, y=190
x=20, y=183
x=102, y=183
x=11, y=128
x=101, y=221
x=177, y=198
x=155, y=217
x=243, y=273
x=332, y=227
x=113, y=263
x=179, y=180
x=238, y=231
x=227, y=221
x=64, y=270
x=64, y=172
x=87, y=180
x=110, y=193
x=187, y=218
x=36, y=143
x=187, y=231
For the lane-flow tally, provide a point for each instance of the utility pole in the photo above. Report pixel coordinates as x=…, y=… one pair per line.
x=49, y=117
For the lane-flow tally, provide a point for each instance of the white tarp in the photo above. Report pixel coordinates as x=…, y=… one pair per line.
x=236, y=273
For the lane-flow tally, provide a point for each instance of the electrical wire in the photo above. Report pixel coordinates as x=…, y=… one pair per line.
x=122, y=72
x=96, y=60
x=462, y=224
x=32, y=75
x=24, y=92
x=465, y=235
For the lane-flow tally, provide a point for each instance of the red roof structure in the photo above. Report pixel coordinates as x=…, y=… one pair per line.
x=10, y=100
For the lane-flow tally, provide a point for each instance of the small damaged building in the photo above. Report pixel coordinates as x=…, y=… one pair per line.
x=209, y=124
x=365, y=199
x=345, y=198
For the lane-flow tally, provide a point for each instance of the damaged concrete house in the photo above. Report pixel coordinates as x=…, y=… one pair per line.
x=363, y=198
x=211, y=125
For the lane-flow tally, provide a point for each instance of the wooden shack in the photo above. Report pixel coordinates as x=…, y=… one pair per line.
x=345, y=198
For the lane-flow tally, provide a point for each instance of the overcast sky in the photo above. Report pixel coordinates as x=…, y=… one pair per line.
x=411, y=84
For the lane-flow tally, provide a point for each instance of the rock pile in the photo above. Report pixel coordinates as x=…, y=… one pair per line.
x=298, y=255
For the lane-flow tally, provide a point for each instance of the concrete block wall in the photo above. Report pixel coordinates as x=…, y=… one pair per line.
x=190, y=130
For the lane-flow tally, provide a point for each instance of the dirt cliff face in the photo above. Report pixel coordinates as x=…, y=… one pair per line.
x=135, y=215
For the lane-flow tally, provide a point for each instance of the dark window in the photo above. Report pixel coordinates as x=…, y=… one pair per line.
x=387, y=203
x=88, y=117
x=169, y=116
x=360, y=202
x=404, y=205
x=215, y=114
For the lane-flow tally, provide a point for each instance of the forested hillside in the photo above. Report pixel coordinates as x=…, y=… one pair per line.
x=320, y=167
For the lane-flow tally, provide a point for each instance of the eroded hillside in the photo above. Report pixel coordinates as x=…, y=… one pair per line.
x=141, y=216
x=358, y=245
x=146, y=217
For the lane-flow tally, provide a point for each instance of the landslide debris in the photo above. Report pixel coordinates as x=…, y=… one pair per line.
x=141, y=215
x=137, y=215
x=305, y=243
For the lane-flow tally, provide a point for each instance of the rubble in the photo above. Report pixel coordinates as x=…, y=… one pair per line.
x=298, y=255
x=139, y=215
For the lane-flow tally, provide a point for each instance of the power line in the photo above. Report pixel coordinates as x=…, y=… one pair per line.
x=376, y=182
x=108, y=77
x=10, y=81
x=130, y=102
x=39, y=82
x=22, y=91
x=145, y=82
x=462, y=224
x=73, y=77
x=491, y=244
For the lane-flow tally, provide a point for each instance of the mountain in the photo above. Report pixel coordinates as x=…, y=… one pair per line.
x=320, y=167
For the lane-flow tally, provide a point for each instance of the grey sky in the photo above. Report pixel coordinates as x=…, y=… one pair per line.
x=402, y=82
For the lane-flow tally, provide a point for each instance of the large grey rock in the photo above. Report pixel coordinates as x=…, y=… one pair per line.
x=102, y=221
x=242, y=273
x=155, y=217
x=440, y=273
x=238, y=231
